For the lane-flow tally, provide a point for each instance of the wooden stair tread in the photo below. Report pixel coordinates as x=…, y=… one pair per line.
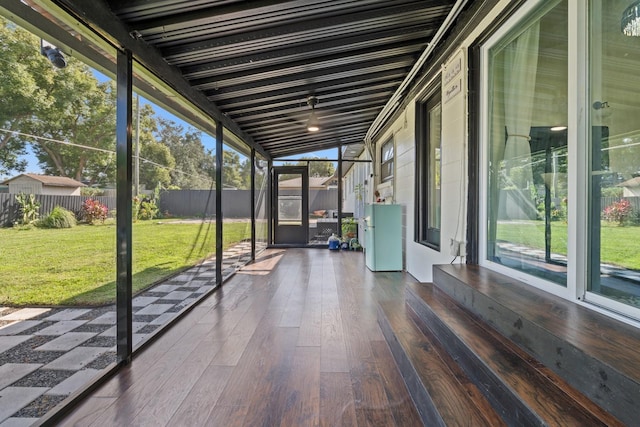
x=596, y=354
x=542, y=391
x=614, y=342
x=457, y=399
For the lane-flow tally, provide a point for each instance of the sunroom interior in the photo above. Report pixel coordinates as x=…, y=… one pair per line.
x=273, y=83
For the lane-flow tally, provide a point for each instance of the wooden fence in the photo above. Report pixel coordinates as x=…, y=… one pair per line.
x=10, y=209
x=235, y=203
x=181, y=203
x=634, y=201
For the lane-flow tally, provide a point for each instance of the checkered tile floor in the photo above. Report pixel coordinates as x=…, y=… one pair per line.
x=46, y=354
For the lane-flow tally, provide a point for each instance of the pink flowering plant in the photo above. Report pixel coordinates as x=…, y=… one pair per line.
x=618, y=211
x=93, y=210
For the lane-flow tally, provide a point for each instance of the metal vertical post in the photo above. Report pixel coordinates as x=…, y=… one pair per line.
x=340, y=190
x=123, y=207
x=136, y=175
x=219, y=158
x=253, y=204
x=270, y=184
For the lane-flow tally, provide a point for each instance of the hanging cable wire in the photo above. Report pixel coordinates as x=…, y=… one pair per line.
x=86, y=147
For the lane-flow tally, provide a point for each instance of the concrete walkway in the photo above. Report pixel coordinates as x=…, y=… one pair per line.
x=46, y=354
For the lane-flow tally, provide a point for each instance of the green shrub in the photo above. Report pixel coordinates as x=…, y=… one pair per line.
x=91, y=192
x=349, y=227
x=148, y=210
x=612, y=192
x=135, y=208
x=29, y=208
x=59, y=218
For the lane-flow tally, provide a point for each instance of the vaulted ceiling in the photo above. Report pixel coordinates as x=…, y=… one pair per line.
x=259, y=61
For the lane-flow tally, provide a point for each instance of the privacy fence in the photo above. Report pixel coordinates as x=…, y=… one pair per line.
x=235, y=203
x=177, y=203
x=10, y=209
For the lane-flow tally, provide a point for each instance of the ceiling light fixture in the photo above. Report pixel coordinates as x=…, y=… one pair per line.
x=313, y=125
x=630, y=23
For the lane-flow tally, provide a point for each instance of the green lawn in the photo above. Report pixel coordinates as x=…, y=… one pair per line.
x=77, y=266
x=620, y=245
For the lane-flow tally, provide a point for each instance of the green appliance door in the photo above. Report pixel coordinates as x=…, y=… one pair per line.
x=383, y=228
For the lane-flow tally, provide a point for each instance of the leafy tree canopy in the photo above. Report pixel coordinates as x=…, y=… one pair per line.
x=231, y=176
x=68, y=118
x=21, y=92
x=194, y=165
x=59, y=104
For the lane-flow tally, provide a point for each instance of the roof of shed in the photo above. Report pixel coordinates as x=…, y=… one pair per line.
x=53, y=181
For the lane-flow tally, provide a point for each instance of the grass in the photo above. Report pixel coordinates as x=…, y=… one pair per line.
x=619, y=245
x=77, y=266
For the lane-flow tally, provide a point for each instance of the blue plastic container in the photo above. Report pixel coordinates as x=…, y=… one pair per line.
x=334, y=243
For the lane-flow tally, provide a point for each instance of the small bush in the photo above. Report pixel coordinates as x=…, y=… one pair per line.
x=612, y=192
x=29, y=208
x=135, y=208
x=148, y=210
x=349, y=227
x=59, y=218
x=618, y=211
x=93, y=210
x=91, y=192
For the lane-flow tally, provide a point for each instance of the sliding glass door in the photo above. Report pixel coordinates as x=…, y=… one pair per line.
x=561, y=150
x=614, y=168
x=527, y=146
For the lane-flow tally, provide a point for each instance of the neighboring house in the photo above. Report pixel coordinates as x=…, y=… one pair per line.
x=315, y=183
x=631, y=187
x=30, y=183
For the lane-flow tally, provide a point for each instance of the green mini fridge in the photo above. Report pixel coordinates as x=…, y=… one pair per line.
x=383, y=237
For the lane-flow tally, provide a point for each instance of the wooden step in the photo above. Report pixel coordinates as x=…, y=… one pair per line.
x=443, y=395
x=521, y=389
x=594, y=353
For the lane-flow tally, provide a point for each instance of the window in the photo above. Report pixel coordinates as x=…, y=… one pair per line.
x=428, y=169
x=614, y=165
x=560, y=187
x=527, y=152
x=386, y=165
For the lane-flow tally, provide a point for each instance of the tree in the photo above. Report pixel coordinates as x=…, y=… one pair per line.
x=21, y=93
x=194, y=165
x=245, y=174
x=66, y=104
x=83, y=113
x=231, y=177
x=320, y=168
x=156, y=160
x=155, y=165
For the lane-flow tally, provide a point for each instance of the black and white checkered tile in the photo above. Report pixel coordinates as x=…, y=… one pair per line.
x=46, y=354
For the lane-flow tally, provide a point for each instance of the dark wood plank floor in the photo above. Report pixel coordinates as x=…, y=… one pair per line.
x=292, y=340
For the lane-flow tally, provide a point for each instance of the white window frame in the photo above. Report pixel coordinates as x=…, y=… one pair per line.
x=389, y=178
x=554, y=288
x=578, y=167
